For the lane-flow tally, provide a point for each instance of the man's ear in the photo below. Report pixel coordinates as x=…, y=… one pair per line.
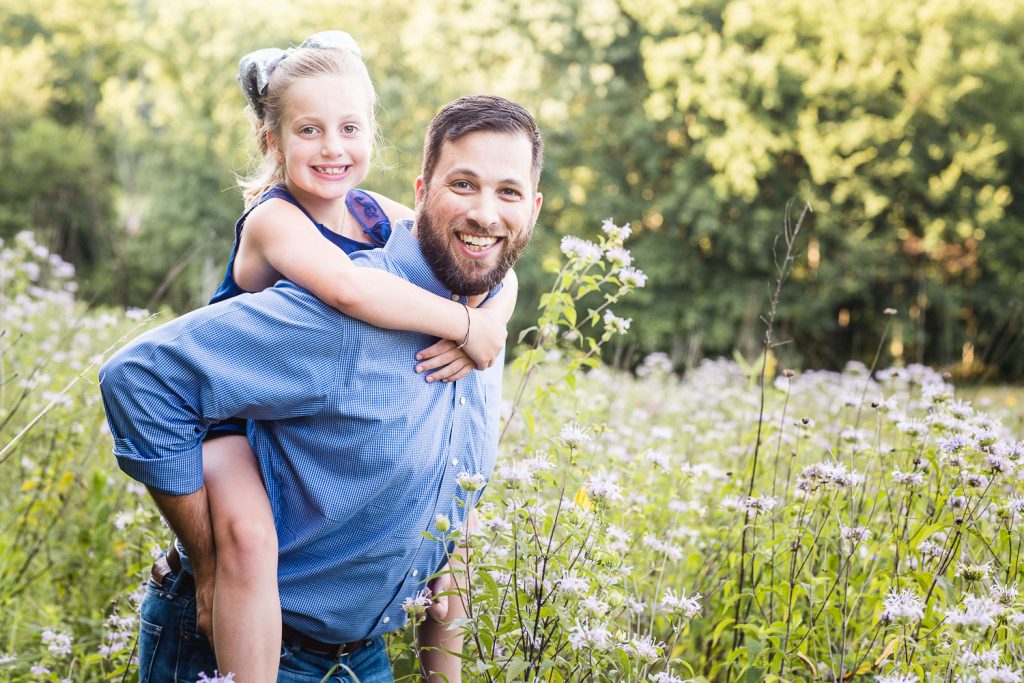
x=537, y=203
x=421, y=192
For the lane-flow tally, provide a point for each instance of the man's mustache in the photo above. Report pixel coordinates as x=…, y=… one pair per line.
x=471, y=226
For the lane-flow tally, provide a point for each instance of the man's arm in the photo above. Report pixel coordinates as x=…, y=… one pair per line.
x=267, y=356
x=271, y=356
x=189, y=518
x=436, y=639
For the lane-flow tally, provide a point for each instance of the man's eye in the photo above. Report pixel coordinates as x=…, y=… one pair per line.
x=511, y=193
x=462, y=185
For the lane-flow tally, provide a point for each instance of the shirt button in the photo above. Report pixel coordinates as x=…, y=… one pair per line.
x=455, y=297
x=386, y=619
x=455, y=461
x=415, y=572
x=462, y=400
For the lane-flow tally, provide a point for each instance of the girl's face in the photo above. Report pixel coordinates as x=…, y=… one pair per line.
x=326, y=136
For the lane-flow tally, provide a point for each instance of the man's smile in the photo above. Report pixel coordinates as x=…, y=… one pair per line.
x=477, y=243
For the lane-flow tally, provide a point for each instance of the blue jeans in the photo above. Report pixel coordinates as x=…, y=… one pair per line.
x=171, y=649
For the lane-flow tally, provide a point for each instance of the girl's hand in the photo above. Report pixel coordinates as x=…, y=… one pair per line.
x=487, y=335
x=448, y=362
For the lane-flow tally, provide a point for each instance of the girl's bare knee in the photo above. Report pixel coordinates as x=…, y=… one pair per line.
x=248, y=539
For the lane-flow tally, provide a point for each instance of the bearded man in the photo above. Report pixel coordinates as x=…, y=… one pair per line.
x=359, y=455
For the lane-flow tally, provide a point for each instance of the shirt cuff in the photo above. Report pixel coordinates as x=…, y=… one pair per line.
x=175, y=474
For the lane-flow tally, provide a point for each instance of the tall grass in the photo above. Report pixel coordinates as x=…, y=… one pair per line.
x=879, y=536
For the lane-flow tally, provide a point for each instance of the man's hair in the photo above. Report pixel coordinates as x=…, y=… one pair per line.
x=480, y=113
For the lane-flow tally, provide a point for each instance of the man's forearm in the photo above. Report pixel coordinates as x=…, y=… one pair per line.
x=437, y=640
x=189, y=518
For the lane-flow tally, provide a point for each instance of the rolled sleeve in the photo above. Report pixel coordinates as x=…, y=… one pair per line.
x=262, y=356
x=147, y=446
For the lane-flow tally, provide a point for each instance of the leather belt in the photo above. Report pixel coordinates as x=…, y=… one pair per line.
x=171, y=563
x=292, y=637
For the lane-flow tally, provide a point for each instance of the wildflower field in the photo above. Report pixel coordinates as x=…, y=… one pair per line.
x=734, y=524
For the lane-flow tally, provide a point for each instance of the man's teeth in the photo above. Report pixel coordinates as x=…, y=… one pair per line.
x=477, y=240
x=330, y=170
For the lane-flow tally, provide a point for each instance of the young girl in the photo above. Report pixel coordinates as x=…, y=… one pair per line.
x=315, y=127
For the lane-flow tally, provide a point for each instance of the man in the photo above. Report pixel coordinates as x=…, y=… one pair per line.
x=358, y=454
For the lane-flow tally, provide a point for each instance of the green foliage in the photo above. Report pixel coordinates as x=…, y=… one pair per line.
x=883, y=523
x=898, y=120
x=65, y=578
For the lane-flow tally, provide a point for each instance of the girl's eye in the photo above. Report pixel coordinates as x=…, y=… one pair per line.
x=307, y=130
x=350, y=129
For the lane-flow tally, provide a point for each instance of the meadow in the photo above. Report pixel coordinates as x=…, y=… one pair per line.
x=744, y=522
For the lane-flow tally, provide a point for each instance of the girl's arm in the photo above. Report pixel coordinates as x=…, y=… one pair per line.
x=279, y=240
x=450, y=363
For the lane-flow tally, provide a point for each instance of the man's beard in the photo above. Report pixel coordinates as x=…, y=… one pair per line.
x=435, y=242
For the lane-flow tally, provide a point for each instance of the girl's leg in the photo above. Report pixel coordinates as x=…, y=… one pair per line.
x=246, y=604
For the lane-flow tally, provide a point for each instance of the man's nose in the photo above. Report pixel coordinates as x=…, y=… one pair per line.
x=484, y=211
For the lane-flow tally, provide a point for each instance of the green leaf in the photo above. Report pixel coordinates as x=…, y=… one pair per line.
x=754, y=648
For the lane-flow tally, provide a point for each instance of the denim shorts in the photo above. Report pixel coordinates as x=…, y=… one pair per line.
x=171, y=650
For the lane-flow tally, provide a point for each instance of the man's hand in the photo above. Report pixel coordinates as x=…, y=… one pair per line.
x=438, y=609
x=204, y=607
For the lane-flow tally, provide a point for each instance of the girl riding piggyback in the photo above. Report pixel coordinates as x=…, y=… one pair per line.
x=314, y=110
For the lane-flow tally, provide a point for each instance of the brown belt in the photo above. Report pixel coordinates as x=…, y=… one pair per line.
x=171, y=563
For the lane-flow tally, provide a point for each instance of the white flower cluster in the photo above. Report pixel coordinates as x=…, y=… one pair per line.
x=828, y=474
x=216, y=678
x=856, y=534
x=416, y=605
x=580, y=250
x=613, y=324
x=632, y=277
x=470, y=482
x=688, y=607
x=895, y=677
x=574, y=435
x=671, y=550
x=998, y=674
x=616, y=234
x=56, y=642
x=973, y=572
x=603, y=489
x=572, y=583
x=120, y=631
x=644, y=648
x=758, y=505
x=522, y=472
x=976, y=612
x=589, y=637
x=902, y=606
x=908, y=479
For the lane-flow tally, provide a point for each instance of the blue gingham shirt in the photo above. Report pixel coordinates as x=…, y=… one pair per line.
x=358, y=453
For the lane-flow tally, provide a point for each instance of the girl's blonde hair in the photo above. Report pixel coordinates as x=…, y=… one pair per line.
x=305, y=62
